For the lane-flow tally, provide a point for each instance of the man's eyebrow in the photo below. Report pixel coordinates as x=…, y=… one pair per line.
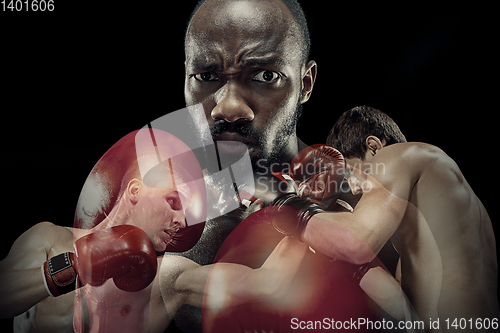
x=203, y=65
x=263, y=61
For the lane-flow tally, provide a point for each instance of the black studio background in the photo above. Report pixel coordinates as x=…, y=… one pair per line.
x=74, y=81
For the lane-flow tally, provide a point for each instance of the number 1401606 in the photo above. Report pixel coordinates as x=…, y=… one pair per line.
x=471, y=324
x=28, y=5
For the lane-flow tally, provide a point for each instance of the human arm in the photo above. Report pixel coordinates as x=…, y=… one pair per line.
x=384, y=290
x=27, y=277
x=232, y=284
x=353, y=237
x=21, y=279
x=227, y=284
x=358, y=236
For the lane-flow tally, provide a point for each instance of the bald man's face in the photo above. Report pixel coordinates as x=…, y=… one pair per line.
x=244, y=63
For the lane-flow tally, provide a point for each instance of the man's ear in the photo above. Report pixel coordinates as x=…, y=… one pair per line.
x=308, y=80
x=373, y=144
x=133, y=189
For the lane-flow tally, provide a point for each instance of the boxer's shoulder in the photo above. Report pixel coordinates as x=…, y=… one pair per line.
x=430, y=166
x=425, y=159
x=34, y=246
x=410, y=152
x=173, y=287
x=172, y=266
x=411, y=159
x=42, y=234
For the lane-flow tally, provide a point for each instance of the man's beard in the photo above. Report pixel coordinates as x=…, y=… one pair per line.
x=267, y=144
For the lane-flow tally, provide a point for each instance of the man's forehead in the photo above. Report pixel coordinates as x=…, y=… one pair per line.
x=241, y=29
x=241, y=14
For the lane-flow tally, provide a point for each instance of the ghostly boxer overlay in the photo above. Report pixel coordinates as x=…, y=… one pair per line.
x=227, y=170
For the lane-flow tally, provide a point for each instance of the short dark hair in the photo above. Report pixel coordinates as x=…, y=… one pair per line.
x=350, y=131
x=297, y=13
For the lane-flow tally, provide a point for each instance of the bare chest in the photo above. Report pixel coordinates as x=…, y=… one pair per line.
x=116, y=310
x=50, y=315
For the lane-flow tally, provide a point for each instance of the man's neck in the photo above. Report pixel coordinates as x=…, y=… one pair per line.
x=117, y=216
x=281, y=161
x=265, y=183
x=301, y=145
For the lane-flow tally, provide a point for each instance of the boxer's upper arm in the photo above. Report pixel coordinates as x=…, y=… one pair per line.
x=30, y=250
x=380, y=212
x=383, y=206
x=182, y=281
x=219, y=284
x=230, y=284
x=358, y=236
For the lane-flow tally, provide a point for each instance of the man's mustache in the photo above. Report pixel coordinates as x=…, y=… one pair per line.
x=222, y=126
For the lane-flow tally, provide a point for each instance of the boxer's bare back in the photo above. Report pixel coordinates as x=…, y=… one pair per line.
x=445, y=239
x=416, y=195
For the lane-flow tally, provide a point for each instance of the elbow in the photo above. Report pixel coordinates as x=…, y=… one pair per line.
x=274, y=286
x=354, y=251
x=339, y=242
x=271, y=286
x=361, y=256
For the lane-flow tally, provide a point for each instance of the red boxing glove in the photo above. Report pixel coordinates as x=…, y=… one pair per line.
x=124, y=253
x=319, y=171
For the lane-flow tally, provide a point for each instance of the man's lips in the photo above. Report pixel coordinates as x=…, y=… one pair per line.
x=170, y=234
x=232, y=136
x=233, y=143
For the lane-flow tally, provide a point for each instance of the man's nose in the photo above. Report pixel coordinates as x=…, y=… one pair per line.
x=180, y=219
x=231, y=104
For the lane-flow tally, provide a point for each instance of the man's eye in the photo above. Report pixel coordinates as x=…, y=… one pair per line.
x=206, y=77
x=267, y=76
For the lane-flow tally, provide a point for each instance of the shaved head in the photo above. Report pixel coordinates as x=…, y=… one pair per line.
x=246, y=12
x=246, y=61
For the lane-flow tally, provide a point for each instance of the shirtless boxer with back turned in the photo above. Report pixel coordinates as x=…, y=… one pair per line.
x=415, y=195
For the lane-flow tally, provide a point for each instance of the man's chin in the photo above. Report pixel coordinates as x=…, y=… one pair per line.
x=160, y=248
x=160, y=245
x=257, y=157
